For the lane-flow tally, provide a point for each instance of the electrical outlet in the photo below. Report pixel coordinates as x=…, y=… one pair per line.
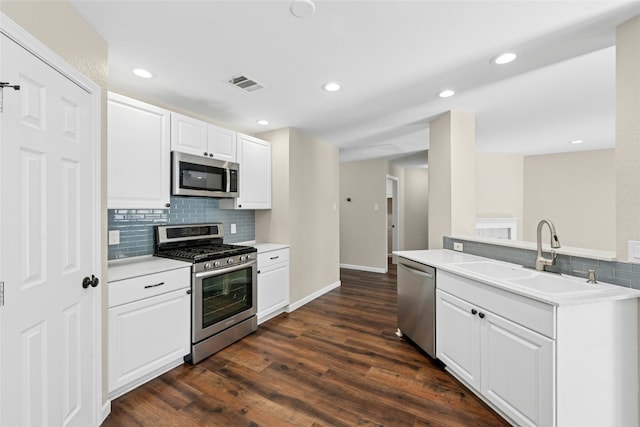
x=457, y=246
x=114, y=237
x=234, y=230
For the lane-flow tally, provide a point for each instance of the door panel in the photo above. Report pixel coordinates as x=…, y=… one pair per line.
x=48, y=219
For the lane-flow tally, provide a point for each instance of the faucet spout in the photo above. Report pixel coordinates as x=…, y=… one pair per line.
x=541, y=261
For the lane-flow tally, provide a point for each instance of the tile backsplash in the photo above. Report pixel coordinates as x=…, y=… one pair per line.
x=136, y=225
x=618, y=273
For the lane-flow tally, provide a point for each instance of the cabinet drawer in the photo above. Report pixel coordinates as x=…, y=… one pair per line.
x=266, y=259
x=137, y=288
x=527, y=312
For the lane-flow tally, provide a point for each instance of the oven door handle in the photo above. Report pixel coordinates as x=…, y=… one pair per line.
x=210, y=273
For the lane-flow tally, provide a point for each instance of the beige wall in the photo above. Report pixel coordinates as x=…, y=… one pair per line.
x=627, y=157
x=452, y=199
x=499, y=185
x=363, y=230
x=308, y=222
x=576, y=191
x=273, y=225
x=59, y=27
x=416, y=207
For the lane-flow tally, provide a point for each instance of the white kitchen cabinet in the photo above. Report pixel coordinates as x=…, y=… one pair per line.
x=536, y=363
x=509, y=365
x=193, y=136
x=254, y=158
x=273, y=283
x=149, y=327
x=138, y=148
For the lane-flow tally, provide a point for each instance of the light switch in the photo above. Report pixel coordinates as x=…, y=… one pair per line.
x=114, y=237
x=233, y=229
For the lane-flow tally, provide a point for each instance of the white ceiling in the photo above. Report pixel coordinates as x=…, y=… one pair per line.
x=393, y=58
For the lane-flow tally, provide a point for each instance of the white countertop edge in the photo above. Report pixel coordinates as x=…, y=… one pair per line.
x=520, y=244
x=127, y=268
x=438, y=258
x=267, y=247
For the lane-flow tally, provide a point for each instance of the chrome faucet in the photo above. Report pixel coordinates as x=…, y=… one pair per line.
x=541, y=261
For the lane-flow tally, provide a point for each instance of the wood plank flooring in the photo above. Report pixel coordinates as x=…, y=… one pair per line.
x=333, y=362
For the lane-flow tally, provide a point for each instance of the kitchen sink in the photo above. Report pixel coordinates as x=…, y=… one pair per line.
x=494, y=270
x=550, y=283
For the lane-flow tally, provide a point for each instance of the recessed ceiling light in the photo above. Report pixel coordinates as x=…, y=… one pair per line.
x=504, y=58
x=577, y=141
x=446, y=93
x=332, y=86
x=141, y=72
x=263, y=122
x=302, y=8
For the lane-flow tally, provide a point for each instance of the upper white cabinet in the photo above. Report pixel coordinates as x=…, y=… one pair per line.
x=193, y=136
x=138, y=153
x=254, y=157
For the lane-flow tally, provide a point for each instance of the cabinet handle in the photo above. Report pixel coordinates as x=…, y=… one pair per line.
x=168, y=205
x=153, y=286
x=474, y=311
x=258, y=271
x=206, y=154
x=481, y=315
x=275, y=257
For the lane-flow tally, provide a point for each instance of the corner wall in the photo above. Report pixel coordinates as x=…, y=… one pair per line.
x=304, y=212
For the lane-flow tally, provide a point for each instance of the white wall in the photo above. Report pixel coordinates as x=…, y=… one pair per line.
x=499, y=185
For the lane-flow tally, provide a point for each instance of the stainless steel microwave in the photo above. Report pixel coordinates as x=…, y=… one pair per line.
x=201, y=176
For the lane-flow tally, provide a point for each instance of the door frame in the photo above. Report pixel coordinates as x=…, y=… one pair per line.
x=15, y=32
x=395, y=218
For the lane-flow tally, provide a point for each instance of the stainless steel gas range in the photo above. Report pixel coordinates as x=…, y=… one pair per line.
x=223, y=284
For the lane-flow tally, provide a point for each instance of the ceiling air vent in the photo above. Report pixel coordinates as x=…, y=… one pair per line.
x=246, y=83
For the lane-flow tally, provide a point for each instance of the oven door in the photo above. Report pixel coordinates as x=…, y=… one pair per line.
x=222, y=298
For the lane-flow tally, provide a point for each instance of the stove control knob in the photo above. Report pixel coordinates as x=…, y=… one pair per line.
x=242, y=258
x=207, y=265
x=216, y=263
x=230, y=261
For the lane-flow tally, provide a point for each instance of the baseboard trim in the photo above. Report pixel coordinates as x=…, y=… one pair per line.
x=364, y=268
x=296, y=305
x=106, y=410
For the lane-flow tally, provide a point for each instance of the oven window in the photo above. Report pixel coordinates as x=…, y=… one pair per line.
x=199, y=177
x=226, y=295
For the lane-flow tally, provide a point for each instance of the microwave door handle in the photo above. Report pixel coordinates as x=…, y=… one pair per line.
x=228, y=173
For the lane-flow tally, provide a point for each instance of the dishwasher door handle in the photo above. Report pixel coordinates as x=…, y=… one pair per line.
x=418, y=272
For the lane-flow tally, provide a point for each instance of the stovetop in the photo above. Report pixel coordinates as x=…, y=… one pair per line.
x=204, y=252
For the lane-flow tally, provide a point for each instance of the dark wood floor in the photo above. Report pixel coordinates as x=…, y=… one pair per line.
x=333, y=362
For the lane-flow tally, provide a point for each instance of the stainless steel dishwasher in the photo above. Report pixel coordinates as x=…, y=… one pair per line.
x=417, y=304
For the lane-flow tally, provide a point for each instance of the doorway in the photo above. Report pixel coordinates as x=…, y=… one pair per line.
x=393, y=215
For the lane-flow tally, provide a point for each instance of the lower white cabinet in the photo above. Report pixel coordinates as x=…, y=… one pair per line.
x=149, y=327
x=540, y=364
x=510, y=365
x=273, y=283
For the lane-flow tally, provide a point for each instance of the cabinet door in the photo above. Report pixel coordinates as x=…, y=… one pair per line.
x=517, y=371
x=138, y=147
x=188, y=135
x=458, y=337
x=273, y=289
x=221, y=143
x=254, y=157
x=145, y=336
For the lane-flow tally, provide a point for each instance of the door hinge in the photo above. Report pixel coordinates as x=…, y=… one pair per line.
x=2, y=86
x=1, y=294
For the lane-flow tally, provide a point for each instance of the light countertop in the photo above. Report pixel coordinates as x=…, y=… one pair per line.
x=458, y=263
x=128, y=268
x=267, y=247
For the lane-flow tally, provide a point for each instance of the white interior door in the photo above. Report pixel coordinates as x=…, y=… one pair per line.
x=48, y=340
